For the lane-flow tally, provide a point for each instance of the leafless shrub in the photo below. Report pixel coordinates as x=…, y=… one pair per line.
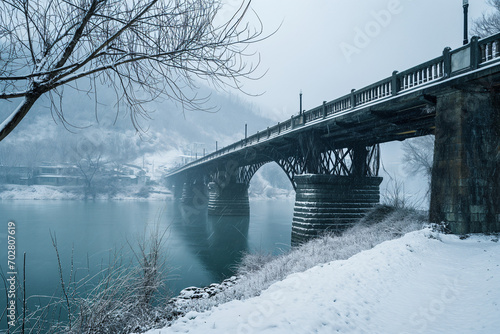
x=123, y=297
x=253, y=262
x=395, y=194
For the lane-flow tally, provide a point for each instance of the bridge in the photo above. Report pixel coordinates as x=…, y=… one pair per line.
x=331, y=153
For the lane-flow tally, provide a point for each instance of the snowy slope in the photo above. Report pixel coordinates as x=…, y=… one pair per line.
x=423, y=282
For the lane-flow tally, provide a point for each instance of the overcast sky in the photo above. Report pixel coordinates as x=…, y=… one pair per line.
x=327, y=47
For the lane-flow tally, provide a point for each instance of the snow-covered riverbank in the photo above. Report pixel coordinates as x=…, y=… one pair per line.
x=44, y=192
x=424, y=282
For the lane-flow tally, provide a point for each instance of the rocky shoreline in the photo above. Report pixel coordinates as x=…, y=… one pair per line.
x=178, y=304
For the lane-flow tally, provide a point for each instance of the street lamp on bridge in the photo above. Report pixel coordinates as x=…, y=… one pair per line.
x=300, y=97
x=466, y=21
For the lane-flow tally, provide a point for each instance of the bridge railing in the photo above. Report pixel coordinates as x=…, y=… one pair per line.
x=422, y=74
x=489, y=49
x=376, y=91
x=478, y=53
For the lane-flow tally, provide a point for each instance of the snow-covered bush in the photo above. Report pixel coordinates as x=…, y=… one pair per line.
x=144, y=192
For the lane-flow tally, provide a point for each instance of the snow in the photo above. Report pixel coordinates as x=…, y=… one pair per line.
x=46, y=192
x=424, y=282
x=35, y=192
x=9, y=119
x=155, y=163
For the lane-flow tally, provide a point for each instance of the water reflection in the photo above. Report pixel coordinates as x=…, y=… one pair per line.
x=228, y=240
x=217, y=241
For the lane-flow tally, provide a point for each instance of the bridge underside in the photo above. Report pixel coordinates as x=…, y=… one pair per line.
x=334, y=187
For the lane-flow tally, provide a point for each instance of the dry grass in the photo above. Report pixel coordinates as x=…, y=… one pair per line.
x=123, y=297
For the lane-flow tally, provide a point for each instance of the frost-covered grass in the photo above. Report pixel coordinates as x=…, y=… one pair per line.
x=259, y=271
x=122, y=297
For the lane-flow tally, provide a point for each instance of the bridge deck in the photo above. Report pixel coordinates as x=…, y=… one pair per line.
x=398, y=107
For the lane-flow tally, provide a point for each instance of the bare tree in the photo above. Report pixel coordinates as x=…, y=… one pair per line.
x=419, y=157
x=144, y=49
x=488, y=24
x=88, y=158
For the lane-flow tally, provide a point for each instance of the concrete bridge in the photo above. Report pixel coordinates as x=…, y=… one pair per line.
x=331, y=153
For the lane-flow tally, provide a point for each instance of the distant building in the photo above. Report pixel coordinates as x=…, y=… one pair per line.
x=58, y=175
x=69, y=175
x=133, y=174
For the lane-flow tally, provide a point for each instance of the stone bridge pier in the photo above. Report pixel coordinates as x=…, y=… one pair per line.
x=194, y=193
x=177, y=187
x=228, y=190
x=229, y=199
x=333, y=200
x=331, y=203
x=465, y=188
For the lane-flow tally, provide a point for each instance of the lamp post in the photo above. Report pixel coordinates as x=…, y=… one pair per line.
x=466, y=21
x=300, y=97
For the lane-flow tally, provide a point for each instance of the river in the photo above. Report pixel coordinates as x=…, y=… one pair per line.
x=199, y=249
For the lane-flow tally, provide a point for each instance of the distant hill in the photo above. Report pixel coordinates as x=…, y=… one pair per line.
x=169, y=136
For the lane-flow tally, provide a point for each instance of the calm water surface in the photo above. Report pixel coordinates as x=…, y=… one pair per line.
x=199, y=249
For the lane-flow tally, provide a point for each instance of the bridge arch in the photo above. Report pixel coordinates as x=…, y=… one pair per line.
x=338, y=162
x=273, y=174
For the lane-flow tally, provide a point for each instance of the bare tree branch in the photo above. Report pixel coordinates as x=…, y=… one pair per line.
x=488, y=24
x=143, y=49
